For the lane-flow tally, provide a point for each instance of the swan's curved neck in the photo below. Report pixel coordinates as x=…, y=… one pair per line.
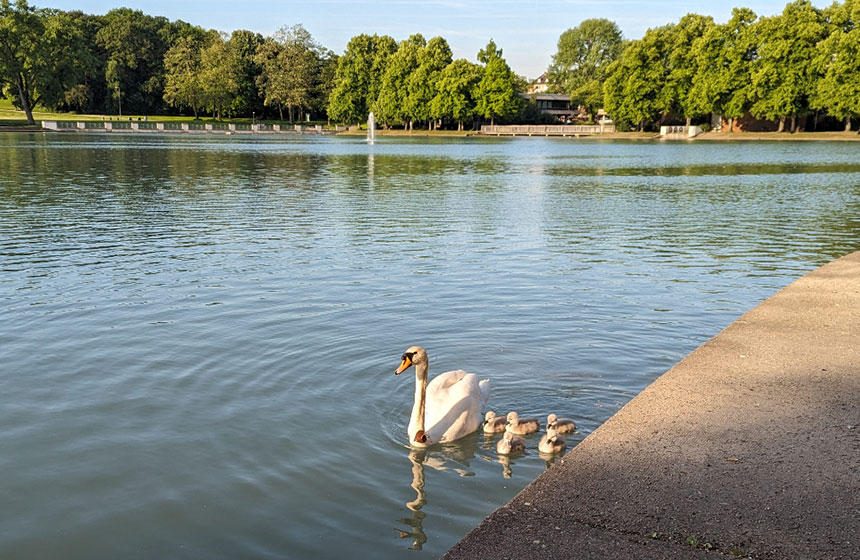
x=417, y=419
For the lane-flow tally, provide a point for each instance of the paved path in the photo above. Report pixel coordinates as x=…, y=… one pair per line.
x=748, y=446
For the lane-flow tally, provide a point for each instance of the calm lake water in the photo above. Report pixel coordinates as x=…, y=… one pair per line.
x=198, y=334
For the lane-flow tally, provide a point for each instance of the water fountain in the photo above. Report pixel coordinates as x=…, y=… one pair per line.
x=371, y=128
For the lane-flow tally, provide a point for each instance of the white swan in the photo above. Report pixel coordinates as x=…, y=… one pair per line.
x=447, y=408
x=510, y=444
x=494, y=424
x=561, y=425
x=551, y=442
x=522, y=426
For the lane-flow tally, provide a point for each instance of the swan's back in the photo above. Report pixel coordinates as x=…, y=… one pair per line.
x=454, y=403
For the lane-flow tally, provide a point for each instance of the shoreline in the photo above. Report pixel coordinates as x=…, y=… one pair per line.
x=829, y=136
x=746, y=447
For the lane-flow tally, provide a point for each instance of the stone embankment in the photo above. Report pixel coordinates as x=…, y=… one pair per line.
x=748, y=447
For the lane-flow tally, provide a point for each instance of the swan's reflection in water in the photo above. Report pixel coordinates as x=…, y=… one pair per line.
x=454, y=457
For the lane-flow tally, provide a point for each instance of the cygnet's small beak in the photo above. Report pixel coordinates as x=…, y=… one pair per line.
x=403, y=365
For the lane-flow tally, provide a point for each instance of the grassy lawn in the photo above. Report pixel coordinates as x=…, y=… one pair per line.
x=11, y=116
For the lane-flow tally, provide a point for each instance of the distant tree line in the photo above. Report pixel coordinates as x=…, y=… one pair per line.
x=804, y=61
x=417, y=81
x=128, y=62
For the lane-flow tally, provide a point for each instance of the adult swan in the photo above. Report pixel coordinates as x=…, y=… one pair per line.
x=447, y=408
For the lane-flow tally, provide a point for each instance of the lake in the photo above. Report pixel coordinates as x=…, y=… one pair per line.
x=198, y=334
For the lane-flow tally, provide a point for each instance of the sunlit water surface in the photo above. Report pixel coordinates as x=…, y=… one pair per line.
x=198, y=334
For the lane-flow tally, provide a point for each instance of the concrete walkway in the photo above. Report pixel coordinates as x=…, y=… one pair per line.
x=747, y=447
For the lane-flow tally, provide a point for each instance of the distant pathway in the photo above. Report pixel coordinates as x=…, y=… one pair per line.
x=748, y=446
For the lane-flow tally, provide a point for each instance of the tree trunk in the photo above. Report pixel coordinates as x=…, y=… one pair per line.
x=460, y=125
x=281, y=111
x=731, y=124
x=781, y=125
x=25, y=102
x=689, y=121
x=793, y=124
x=847, y=124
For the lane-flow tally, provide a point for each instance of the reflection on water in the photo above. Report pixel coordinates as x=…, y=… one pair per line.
x=180, y=314
x=415, y=521
x=453, y=456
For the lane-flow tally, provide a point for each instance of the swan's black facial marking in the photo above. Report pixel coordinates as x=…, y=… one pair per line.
x=406, y=361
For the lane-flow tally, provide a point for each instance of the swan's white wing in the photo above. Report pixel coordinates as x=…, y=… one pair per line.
x=453, y=406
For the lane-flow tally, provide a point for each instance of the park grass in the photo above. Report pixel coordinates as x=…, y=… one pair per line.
x=11, y=116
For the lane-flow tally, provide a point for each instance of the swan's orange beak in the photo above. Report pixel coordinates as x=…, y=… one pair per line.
x=403, y=365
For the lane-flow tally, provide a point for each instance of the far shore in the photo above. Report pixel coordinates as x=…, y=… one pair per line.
x=852, y=136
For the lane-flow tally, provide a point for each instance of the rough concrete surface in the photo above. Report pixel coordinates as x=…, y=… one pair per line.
x=747, y=447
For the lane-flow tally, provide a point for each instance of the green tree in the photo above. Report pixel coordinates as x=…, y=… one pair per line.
x=723, y=58
x=289, y=62
x=489, y=52
x=326, y=80
x=633, y=92
x=43, y=56
x=21, y=31
x=243, y=46
x=455, y=96
x=359, y=76
x=783, y=73
x=135, y=44
x=391, y=106
x=496, y=94
x=838, y=63
x=422, y=83
x=218, y=75
x=184, y=81
x=580, y=64
x=681, y=58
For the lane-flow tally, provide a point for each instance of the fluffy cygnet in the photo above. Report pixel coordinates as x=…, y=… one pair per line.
x=561, y=425
x=551, y=442
x=494, y=424
x=510, y=444
x=522, y=426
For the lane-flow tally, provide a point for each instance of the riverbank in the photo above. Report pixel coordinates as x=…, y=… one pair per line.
x=747, y=447
x=852, y=136
x=21, y=126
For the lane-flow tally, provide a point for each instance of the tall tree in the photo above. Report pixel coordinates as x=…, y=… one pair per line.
x=135, y=44
x=391, y=105
x=682, y=64
x=358, y=77
x=422, y=84
x=288, y=64
x=218, y=75
x=634, y=91
x=783, y=73
x=243, y=45
x=723, y=58
x=184, y=82
x=580, y=64
x=44, y=56
x=496, y=93
x=455, y=96
x=21, y=32
x=325, y=80
x=838, y=63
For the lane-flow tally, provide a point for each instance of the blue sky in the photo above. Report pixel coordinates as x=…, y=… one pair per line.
x=526, y=31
